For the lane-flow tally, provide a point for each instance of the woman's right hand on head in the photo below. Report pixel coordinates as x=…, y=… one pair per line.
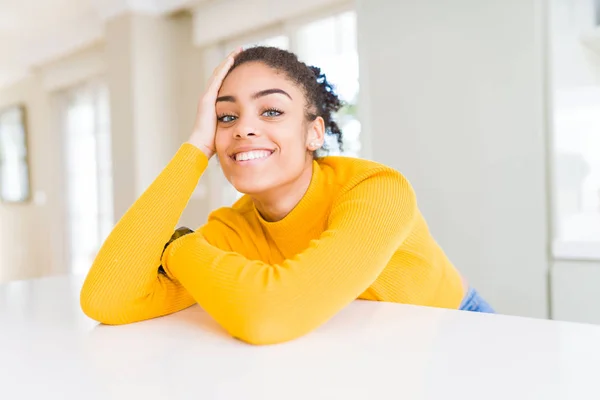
x=203, y=135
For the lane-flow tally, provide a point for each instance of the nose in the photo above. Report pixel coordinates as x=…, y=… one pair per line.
x=244, y=134
x=244, y=129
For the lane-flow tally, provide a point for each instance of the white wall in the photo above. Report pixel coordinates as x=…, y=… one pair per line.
x=575, y=294
x=155, y=78
x=142, y=82
x=456, y=96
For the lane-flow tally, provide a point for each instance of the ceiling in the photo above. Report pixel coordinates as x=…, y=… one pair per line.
x=33, y=32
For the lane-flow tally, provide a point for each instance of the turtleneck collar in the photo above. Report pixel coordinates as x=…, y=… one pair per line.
x=306, y=217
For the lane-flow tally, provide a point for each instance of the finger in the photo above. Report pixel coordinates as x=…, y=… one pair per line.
x=219, y=74
x=227, y=60
x=222, y=71
x=219, y=67
x=226, y=65
x=236, y=51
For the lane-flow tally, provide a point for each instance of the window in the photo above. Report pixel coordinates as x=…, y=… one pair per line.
x=576, y=130
x=86, y=126
x=577, y=173
x=330, y=44
x=14, y=168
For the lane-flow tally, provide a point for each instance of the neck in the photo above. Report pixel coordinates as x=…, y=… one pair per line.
x=279, y=202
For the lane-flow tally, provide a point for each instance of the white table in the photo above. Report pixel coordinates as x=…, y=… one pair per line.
x=50, y=350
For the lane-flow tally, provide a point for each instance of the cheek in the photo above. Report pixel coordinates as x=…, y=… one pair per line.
x=291, y=137
x=222, y=140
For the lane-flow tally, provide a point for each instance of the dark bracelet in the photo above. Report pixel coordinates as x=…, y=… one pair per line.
x=179, y=232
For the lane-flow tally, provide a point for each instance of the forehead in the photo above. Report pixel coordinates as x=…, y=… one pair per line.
x=253, y=77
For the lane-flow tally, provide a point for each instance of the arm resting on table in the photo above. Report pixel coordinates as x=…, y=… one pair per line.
x=124, y=284
x=261, y=303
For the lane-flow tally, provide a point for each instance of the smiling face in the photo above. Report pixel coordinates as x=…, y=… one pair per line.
x=264, y=140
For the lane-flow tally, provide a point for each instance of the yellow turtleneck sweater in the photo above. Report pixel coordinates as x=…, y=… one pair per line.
x=356, y=233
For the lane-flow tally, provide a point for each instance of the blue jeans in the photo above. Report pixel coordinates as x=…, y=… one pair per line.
x=474, y=302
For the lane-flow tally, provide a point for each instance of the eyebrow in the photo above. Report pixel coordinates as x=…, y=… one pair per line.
x=256, y=95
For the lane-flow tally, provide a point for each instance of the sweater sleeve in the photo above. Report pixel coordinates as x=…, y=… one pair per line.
x=261, y=303
x=124, y=284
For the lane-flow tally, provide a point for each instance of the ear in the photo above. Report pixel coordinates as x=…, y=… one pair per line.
x=316, y=134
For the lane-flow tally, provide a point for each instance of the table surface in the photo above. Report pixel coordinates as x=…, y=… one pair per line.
x=49, y=349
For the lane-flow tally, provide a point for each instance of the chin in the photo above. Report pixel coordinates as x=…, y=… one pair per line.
x=252, y=187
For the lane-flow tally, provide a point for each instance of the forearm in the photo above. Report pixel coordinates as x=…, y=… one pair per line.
x=124, y=284
x=261, y=303
x=264, y=303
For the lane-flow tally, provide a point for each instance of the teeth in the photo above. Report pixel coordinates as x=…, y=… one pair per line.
x=252, y=155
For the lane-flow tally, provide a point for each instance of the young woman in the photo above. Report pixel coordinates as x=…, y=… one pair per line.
x=310, y=235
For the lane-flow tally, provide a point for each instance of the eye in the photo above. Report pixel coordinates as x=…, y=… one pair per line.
x=272, y=112
x=226, y=118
